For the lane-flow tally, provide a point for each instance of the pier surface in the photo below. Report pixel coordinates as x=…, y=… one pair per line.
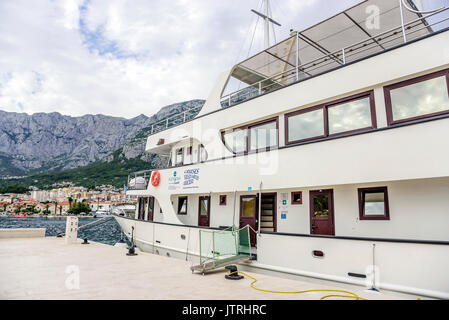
x=47, y=268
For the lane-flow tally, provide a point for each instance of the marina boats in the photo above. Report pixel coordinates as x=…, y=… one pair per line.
x=101, y=213
x=325, y=156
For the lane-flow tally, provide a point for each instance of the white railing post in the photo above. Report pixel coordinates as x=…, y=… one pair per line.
x=343, y=55
x=401, y=9
x=229, y=104
x=260, y=87
x=185, y=114
x=297, y=56
x=166, y=123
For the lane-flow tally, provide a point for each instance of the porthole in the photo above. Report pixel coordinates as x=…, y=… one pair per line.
x=318, y=254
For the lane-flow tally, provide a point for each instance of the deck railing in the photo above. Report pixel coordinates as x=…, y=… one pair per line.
x=174, y=120
x=355, y=52
x=139, y=180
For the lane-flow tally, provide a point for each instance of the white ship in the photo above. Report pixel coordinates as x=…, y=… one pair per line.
x=331, y=145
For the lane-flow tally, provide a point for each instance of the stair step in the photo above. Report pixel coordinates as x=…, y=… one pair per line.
x=266, y=224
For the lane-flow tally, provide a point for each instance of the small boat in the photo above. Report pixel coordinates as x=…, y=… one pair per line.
x=101, y=214
x=20, y=216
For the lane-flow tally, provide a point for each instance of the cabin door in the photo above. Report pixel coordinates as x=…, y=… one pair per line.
x=248, y=215
x=150, y=209
x=322, y=212
x=141, y=209
x=204, y=212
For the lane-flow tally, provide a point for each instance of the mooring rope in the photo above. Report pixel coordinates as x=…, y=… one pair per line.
x=105, y=219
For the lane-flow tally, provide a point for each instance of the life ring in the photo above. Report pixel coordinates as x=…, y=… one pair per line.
x=155, y=178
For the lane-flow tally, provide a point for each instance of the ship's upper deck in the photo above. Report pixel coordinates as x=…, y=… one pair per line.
x=362, y=31
x=368, y=28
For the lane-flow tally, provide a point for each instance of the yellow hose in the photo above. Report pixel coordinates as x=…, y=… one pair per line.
x=349, y=294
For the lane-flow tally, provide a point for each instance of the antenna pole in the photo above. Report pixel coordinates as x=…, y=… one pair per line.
x=267, y=26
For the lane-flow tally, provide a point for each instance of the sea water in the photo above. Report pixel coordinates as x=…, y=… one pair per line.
x=107, y=232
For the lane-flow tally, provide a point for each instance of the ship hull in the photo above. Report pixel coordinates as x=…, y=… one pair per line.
x=417, y=268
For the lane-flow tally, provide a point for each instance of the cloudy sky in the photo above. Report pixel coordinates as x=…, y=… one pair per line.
x=129, y=57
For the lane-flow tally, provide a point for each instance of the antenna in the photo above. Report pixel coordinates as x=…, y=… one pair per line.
x=267, y=20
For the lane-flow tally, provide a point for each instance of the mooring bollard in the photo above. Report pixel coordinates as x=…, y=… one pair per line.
x=71, y=230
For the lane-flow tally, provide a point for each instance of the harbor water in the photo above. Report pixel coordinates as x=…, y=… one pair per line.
x=107, y=232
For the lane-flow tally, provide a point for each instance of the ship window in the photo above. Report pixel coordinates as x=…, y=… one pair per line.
x=180, y=156
x=263, y=136
x=350, y=116
x=248, y=206
x=236, y=140
x=182, y=205
x=305, y=125
x=202, y=153
x=373, y=203
x=297, y=197
x=204, y=206
x=418, y=98
x=223, y=200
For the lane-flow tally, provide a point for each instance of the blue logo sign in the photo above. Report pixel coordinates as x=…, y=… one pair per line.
x=190, y=177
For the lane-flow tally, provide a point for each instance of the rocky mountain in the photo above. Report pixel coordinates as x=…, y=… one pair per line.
x=52, y=142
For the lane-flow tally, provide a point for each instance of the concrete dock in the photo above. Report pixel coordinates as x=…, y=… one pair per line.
x=47, y=268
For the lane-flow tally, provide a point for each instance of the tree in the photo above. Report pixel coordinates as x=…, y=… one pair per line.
x=70, y=202
x=60, y=210
x=79, y=207
x=56, y=204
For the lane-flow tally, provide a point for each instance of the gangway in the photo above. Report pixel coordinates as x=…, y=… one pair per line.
x=221, y=248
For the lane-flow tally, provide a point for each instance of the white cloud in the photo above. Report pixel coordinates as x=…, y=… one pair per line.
x=126, y=57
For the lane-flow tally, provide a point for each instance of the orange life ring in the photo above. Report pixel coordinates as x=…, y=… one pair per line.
x=155, y=178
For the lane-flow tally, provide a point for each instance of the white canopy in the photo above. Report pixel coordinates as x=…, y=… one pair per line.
x=319, y=48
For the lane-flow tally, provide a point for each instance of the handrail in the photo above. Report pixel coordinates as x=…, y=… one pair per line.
x=344, y=53
x=184, y=116
x=145, y=174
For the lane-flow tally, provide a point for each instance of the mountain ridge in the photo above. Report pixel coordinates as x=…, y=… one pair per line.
x=51, y=142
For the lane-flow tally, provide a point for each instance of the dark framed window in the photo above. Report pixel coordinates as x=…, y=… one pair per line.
x=418, y=98
x=150, y=210
x=297, y=197
x=202, y=153
x=179, y=160
x=255, y=137
x=189, y=151
x=348, y=115
x=141, y=209
x=182, y=205
x=222, y=200
x=373, y=203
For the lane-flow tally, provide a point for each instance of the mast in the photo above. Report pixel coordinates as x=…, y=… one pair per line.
x=267, y=27
x=267, y=20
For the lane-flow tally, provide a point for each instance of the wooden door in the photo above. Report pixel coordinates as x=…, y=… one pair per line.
x=150, y=215
x=204, y=211
x=248, y=215
x=141, y=209
x=322, y=212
